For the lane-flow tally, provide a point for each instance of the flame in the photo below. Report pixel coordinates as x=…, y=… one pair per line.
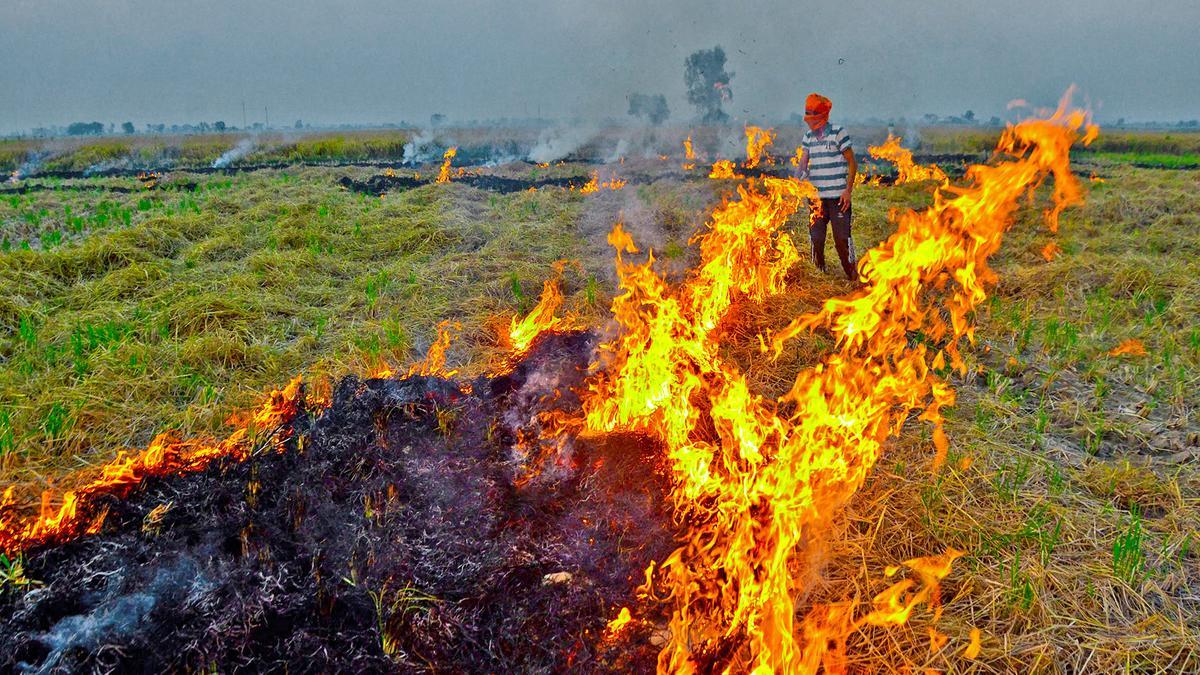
x=754, y=479
x=389, y=172
x=541, y=318
x=77, y=512
x=1132, y=347
x=594, y=184
x=434, y=363
x=757, y=141
x=972, y=650
x=444, y=174
x=1051, y=251
x=616, y=625
x=902, y=158
x=722, y=168
x=688, y=154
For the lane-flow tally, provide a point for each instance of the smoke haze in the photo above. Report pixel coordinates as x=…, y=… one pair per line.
x=371, y=61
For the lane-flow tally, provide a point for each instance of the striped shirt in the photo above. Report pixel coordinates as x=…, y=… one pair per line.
x=827, y=167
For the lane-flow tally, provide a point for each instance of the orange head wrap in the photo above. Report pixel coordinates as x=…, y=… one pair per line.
x=818, y=104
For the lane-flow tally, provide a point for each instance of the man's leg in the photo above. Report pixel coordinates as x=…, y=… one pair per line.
x=816, y=232
x=844, y=242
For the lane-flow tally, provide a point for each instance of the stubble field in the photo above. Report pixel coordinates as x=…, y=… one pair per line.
x=1071, y=481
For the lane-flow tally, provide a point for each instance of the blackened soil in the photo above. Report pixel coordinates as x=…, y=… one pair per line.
x=382, y=184
x=399, y=531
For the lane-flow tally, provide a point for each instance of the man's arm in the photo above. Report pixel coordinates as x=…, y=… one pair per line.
x=851, y=174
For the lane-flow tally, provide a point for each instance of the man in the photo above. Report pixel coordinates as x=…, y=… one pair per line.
x=827, y=160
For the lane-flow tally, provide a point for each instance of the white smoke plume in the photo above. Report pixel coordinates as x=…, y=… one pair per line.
x=554, y=144
x=422, y=148
x=33, y=162
x=243, y=148
x=619, y=152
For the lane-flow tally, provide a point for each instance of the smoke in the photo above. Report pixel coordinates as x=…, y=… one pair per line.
x=33, y=161
x=554, y=144
x=621, y=150
x=235, y=153
x=118, y=612
x=107, y=165
x=912, y=138
x=422, y=148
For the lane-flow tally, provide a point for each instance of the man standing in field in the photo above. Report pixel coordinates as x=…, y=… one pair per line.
x=827, y=160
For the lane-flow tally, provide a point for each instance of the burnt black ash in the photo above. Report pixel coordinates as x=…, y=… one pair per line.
x=398, y=531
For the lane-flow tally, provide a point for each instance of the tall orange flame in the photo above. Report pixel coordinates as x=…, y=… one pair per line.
x=757, y=141
x=756, y=480
x=444, y=174
x=689, y=155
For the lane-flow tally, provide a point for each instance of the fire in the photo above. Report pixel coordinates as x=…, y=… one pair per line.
x=1132, y=347
x=972, y=650
x=389, y=172
x=688, y=154
x=434, y=363
x=757, y=141
x=1051, y=251
x=541, y=318
x=755, y=479
x=594, y=184
x=149, y=178
x=444, y=174
x=77, y=514
x=722, y=168
x=616, y=625
x=902, y=158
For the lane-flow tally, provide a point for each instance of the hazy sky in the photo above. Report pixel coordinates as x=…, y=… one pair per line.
x=382, y=61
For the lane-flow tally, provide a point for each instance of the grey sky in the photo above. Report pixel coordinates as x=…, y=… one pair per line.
x=378, y=61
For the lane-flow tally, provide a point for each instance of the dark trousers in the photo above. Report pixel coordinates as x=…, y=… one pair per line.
x=827, y=211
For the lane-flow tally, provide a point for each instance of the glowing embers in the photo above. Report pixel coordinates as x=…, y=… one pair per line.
x=755, y=484
x=902, y=157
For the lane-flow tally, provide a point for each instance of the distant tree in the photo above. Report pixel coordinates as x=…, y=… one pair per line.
x=708, y=84
x=1120, y=121
x=219, y=126
x=930, y=118
x=651, y=107
x=127, y=127
x=85, y=129
x=205, y=128
x=437, y=120
x=969, y=116
x=299, y=124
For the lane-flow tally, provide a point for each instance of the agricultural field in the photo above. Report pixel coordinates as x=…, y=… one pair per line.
x=133, y=306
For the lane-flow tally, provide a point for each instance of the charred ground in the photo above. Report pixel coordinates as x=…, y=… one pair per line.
x=401, y=528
